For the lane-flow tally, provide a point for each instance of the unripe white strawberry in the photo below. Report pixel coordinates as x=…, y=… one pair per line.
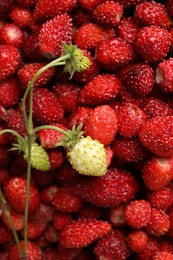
x=88, y=157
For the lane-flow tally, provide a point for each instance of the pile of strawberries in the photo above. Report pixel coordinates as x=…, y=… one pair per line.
x=124, y=100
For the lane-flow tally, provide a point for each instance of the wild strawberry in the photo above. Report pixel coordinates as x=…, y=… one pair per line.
x=27, y=72
x=130, y=119
x=161, y=199
x=163, y=256
x=17, y=220
x=152, y=13
x=81, y=16
x=56, y=158
x=2, y=113
x=166, y=246
x=5, y=235
x=34, y=229
x=45, y=9
x=31, y=49
x=66, y=174
x=33, y=251
x=114, y=52
x=129, y=3
x=117, y=216
x=9, y=60
x=152, y=43
x=151, y=248
x=48, y=193
x=15, y=193
x=61, y=219
x=139, y=79
x=89, y=35
x=128, y=149
x=153, y=107
x=102, y=88
x=164, y=75
x=138, y=213
x=12, y=35
x=137, y=240
x=65, y=201
x=57, y=30
x=102, y=124
x=159, y=223
x=170, y=231
x=79, y=116
x=89, y=211
x=108, y=13
x=82, y=232
x=111, y=190
x=112, y=246
x=20, y=16
x=51, y=234
x=4, y=176
x=4, y=138
x=46, y=108
x=127, y=29
x=157, y=172
x=50, y=253
x=9, y=92
x=90, y=5
x=156, y=135
x=67, y=95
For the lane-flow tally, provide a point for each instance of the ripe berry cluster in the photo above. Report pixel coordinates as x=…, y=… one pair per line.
x=124, y=100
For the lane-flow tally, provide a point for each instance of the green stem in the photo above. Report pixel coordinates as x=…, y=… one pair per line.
x=60, y=130
x=14, y=133
x=7, y=213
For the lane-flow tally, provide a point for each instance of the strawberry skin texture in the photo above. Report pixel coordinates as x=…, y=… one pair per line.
x=102, y=88
x=53, y=33
x=152, y=43
x=164, y=75
x=90, y=5
x=127, y=29
x=82, y=232
x=89, y=35
x=156, y=135
x=137, y=240
x=102, y=124
x=22, y=17
x=9, y=60
x=45, y=9
x=46, y=108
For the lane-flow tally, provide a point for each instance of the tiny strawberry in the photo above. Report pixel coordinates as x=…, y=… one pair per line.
x=9, y=60
x=82, y=232
x=15, y=193
x=79, y=116
x=156, y=135
x=114, y=52
x=112, y=246
x=53, y=33
x=102, y=124
x=163, y=256
x=61, y=219
x=90, y=5
x=159, y=223
x=108, y=13
x=138, y=213
x=34, y=229
x=56, y=158
x=117, y=216
x=89, y=211
x=152, y=13
x=162, y=198
x=164, y=75
x=31, y=49
x=81, y=16
x=27, y=72
x=102, y=88
x=137, y=240
x=20, y=16
x=17, y=220
x=157, y=172
x=89, y=35
x=150, y=250
x=152, y=43
x=47, y=193
x=127, y=29
x=5, y=235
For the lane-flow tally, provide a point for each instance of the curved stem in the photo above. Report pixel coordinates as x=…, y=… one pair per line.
x=60, y=130
x=14, y=133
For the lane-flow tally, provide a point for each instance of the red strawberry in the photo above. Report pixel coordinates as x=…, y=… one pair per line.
x=20, y=16
x=17, y=220
x=9, y=92
x=129, y=3
x=139, y=79
x=90, y=5
x=33, y=252
x=5, y=234
x=128, y=149
x=156, y=135
x=127, y=29
x=45, y=9
x=113, y=53
x=138, y=213
x=2, y=113
x=31, y=49
x=46, y=108
x=26, y=3
x=89, y=35
x=159, y=223
x=61, y=219
x=53, y=33
x=12, y=35
x=15, y=193
x=111, y=190
x=152, y=13
x=4, y=138
x=27, y=72
x=9, y=60
x=151, y=248
x=102, y=88
x=112, y=246
x=162, y=198
x=65, y=201
x=157, y=172
x=137, y=240
x=79, y=116
x=81, y=16
x=67, y=95
x=153, y=107
x=50, y=253
x=34, y=229
x=130, y=119
x=51, y=234
x=48, y=193
x=41, y=179
x=163, y=256
x=152, y=43
x=89, y=211
x=4, y=175
x=82, y=232
x=166, y=246
x=108, y=13
x=56, y=158
x=102, y=124
x=164, y=75
x=117, y=216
